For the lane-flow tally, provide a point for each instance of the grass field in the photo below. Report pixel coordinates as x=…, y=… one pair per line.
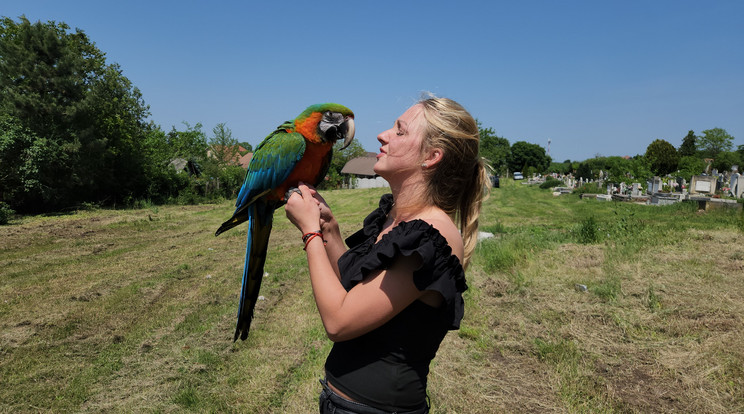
x=134, y=311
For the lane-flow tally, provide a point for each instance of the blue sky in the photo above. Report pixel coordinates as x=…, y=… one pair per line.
x=593, y=77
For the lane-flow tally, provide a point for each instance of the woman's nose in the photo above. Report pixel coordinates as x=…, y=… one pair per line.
x=381, y=137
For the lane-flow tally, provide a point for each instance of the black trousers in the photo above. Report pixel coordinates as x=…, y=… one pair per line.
x=332, y=403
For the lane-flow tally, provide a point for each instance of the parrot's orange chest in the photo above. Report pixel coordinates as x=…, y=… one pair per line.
x=307, y=168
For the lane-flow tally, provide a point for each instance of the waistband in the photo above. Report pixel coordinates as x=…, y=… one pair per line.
x=330, y=402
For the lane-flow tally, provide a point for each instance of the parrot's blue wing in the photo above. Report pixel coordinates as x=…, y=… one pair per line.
x=272, y=162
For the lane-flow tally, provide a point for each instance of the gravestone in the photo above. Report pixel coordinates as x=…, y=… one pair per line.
x=604, y=197
x=703, y=184
x=636, y=191
x=654, y=186
x=737, y=185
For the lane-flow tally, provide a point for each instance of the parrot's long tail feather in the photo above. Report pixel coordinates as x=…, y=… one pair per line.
x=259, y=230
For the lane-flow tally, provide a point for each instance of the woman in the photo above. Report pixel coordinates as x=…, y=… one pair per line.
x=388, y=301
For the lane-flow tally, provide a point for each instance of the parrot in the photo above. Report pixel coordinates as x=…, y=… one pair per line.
x=297, y=151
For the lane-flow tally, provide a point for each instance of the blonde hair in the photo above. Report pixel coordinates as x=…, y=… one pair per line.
x=459, y=182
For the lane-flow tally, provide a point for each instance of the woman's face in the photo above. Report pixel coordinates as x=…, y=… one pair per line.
x=400, y=149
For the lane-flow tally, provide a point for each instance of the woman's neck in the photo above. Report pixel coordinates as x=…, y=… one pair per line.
x=409, y=202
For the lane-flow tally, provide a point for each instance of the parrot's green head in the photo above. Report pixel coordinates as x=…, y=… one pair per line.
x=326, y=123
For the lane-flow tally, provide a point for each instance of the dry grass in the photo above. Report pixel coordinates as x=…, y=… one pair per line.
x=131, y=311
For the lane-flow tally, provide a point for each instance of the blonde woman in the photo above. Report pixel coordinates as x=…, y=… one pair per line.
x=388, y=301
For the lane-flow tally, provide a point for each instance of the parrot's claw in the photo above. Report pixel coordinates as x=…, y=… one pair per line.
x=292, y=190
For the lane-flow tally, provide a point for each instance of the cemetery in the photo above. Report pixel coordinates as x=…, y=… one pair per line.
x=717, y=190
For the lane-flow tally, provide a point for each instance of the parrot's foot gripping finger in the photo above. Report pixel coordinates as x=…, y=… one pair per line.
x=292, y=190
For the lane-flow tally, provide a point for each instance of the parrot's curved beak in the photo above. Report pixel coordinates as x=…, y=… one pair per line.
x=348, y=128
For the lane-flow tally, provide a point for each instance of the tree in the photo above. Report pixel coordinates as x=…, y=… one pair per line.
x=662, y=156
x=689, y=145
x=725, y=160
x=190, y=143
x=223, y=147
x=689, y=166
x=584, y=171
x=78, y=122
x=560, y=167
x=493, y=148
x=334, y=178
x=524, y=155
x=715, y=141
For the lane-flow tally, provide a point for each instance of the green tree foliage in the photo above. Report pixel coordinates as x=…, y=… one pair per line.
x=223, y=147
x=725, y=160
x=564, y=167
x=493, y=148
x=584, y=171
x=615, y=169
x=76, y=124
x=689, y=166
x=662, y=156
x=689, y=145
x=190, y=143
x=524, y=155
x=223, y=176
x=714, y=141
x=334, y=178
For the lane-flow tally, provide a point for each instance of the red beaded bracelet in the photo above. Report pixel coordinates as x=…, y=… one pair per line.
x=309, y=236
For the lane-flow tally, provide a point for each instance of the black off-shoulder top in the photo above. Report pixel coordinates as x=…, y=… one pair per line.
x=387, y=367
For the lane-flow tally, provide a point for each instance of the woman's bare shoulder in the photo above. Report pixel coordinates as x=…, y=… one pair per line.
x=447, y=228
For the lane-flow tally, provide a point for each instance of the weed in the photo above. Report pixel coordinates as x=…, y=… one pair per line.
x=557, y=352
x=588, y=231
x=654, y=301
x=187, y=396
x=467, y=332
x=607, y=289
x=519, y=282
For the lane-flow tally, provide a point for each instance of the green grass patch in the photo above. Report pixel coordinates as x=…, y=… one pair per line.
x=134, y=310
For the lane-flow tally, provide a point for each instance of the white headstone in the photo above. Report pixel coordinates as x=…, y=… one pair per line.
x=636, y=189
x=737, y=186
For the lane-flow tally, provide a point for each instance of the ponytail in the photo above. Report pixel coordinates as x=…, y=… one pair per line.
x=459, y=183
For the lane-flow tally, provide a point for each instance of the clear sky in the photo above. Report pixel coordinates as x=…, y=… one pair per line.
x=593, y=77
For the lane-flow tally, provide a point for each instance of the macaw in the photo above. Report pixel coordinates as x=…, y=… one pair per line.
x=298, y=150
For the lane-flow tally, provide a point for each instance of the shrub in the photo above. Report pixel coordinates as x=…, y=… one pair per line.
x=5, y=213
x=589, y=188
x=551, y=182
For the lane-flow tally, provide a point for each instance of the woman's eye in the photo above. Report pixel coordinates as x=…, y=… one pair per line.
x=399, y=133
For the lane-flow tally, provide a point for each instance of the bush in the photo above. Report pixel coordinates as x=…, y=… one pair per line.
x=5, y=213
x=589, y=188
x=551, y=182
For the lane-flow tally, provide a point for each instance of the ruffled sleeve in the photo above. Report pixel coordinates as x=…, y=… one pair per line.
x=439, y=271
x=372, y=223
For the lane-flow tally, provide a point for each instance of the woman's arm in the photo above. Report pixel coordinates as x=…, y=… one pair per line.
x=372, y=302
x=335, y=246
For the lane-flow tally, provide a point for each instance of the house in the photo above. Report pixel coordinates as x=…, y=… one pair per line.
x=361, y=173
x=218, y=151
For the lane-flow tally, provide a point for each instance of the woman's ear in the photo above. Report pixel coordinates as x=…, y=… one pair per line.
x=433, y=157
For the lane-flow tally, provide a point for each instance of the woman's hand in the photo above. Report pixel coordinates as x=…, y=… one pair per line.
x=327, y=221
x=304, y=211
